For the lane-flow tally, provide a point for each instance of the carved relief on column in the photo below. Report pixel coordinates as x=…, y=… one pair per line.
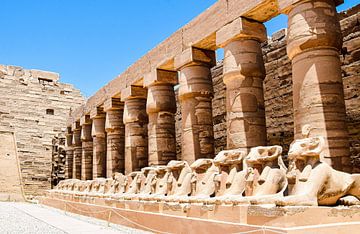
x=69, y=150
x=99, y=142
x=87, y=148
x=135, y=120
x=313, y=44
x=76, y=129
x=114, y=127
x=244, y=73
x=161, y=109
x=195, y=96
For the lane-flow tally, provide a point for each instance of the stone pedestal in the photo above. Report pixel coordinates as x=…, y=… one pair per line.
x=87, y=148
x=195, y=96
x=135, y=120
x=314, y=41
x=114, y=127
x=161, y=109
x=99, y=142
x=244, y=73
x=77, y=150
x=161, y=217
x=69, y=151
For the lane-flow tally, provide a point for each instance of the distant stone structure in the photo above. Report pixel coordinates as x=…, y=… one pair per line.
x=34, y=106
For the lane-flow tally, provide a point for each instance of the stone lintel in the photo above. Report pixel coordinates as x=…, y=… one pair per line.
x=159, y=76
x=133, y=92
x=112, y=104
x=240, y=28
x=97, y=112
x=286, y=5
x=85, y=120
x=194, y=56
x=76, y=126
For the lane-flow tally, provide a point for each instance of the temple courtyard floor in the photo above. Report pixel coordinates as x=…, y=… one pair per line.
x=33, y=218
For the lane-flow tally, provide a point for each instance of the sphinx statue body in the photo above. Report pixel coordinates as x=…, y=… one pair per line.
x=314, y=182
x=232, y=177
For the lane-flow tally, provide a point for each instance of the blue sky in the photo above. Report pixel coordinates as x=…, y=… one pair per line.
x=89, y=42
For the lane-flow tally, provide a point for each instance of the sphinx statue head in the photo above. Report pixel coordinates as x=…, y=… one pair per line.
x=134, y=179
x=61, y=185
x=88, y=184
x=265, y=155
x=118, y=183
x=79, y=186
x=69, y=184
x=230, y=157
x=306, y=147
x=161, y=185
x=202, y=165
x=179, y=180
x=147, y=186
x=204, y=179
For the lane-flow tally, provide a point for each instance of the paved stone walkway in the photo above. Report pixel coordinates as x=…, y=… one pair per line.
x=27, y=218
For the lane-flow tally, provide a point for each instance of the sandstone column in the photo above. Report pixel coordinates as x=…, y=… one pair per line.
x=314, y=41
x=195, y=96
x=135, y=120
x=87, y=148
x=114, y=127
x=69, y=150
x=99, y=142
x=244, y=73
x=161, y=109
x=76, y=128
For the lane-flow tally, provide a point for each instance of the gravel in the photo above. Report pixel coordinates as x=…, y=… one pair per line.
x=13, y=220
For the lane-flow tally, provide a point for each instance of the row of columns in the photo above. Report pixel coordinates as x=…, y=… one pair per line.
x=138, y=129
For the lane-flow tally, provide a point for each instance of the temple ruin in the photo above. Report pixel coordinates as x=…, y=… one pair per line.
x=34, y=107
x=144, y=150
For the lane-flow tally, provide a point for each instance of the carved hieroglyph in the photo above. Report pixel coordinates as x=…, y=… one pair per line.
x=99, y=142
x=195, y=94
x=136, y=136
x=161, y=109
x=114, y=127
x=244, y=73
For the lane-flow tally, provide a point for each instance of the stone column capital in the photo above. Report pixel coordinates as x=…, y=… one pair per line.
x=69, y=137
x=85, y=123
x=85, y=120
x=312, y=25
x=75, y=126
x=241, y=28
x=195, y=56
x=161, y=97
x=133, y=92
x=285, y=6
x=112, y=104
x=97, y=113
x=98, y=116
x=159, y=76
x=76, y=134
x=114, y=109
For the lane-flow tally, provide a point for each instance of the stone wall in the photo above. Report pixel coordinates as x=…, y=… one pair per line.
x=34, y=106
x=278, y=90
